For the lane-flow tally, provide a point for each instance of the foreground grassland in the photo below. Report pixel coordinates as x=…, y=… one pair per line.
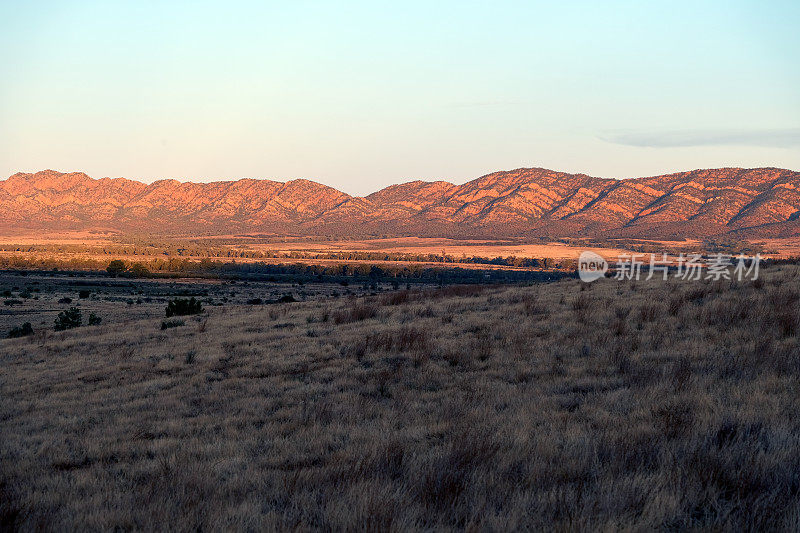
x=555, y=406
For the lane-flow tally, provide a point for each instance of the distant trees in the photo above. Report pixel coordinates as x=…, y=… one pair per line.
x=138, y=270
x=393, y=267
x=116, y=267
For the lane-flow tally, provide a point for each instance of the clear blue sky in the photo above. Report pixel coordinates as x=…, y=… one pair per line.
x=358, y=95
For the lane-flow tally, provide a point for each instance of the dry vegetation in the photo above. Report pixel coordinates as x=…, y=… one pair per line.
x=558, y=406
x=38, y=297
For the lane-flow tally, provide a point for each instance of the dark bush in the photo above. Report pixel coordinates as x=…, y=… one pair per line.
x=182, y=307
x=71, y=318
x=255, y=301
x=94, y=320
x=84, y=293
x=21, y=331
x=286, y=298
x=65, y=300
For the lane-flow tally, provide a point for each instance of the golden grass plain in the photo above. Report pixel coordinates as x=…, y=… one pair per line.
x=560, y=406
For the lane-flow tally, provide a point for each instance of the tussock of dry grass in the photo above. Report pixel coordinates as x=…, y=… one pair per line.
x=562, y=406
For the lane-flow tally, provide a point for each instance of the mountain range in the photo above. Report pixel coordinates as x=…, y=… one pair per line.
x=758, y=202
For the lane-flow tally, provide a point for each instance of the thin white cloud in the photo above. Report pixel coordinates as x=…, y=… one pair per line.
x=773, y=138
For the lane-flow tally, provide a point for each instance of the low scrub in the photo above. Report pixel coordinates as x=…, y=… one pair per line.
x=357, y=311
x=174, y=323
x=183, y=307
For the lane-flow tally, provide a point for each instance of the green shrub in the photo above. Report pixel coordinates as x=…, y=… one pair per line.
x=21, y=331
x=166, y=324
x=71, y=318
x=182, y=306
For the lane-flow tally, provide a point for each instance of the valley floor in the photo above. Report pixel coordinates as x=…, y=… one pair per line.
x=555, y=406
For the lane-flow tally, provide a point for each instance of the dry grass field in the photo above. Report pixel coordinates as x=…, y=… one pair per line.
x=38, y=297
x=406, y=245
x=452, y=247
x=562, y=406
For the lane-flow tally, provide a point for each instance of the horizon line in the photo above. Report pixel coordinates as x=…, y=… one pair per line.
x=291, y=180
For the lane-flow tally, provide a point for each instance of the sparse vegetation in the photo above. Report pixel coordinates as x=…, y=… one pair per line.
x=174, y=323
x=358, y=310
x=546, y=407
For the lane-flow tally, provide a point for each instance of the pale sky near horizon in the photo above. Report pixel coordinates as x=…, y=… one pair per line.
x=359, y=95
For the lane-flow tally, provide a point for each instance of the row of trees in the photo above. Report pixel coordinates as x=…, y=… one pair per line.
x=336, y=272
x=294, y=272
x=146, y=265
